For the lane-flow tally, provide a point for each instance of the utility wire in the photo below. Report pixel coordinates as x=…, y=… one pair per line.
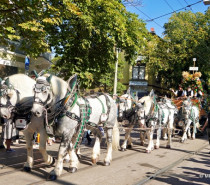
x=169, y=5
x=148, y=17
x=173, y=11
x=188, y=4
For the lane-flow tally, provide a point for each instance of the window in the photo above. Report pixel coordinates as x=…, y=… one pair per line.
x=138, y=73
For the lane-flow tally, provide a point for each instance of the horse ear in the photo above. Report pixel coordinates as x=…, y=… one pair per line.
x=72, y=81
x=151, y=94
x=7, y=81
x=49, y=78
x=35, y=73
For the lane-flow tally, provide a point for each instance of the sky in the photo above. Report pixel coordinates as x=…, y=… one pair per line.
x=150, y=9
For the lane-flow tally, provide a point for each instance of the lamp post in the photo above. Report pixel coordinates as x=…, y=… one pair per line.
x=194, y=60
x=116, y=70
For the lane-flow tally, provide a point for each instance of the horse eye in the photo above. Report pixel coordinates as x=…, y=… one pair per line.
x=45, y=92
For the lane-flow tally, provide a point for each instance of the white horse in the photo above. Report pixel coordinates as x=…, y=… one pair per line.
x=17, y=90
x=166, y=117
x=72, y=114
x=149, y=121
x=190, y=114
x=127, y=112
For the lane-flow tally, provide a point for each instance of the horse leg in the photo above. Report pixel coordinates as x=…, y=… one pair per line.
x=42, y=148
x=64, y=146
x=96, y=150
x=142, y=137
x=150, y=138
x=108, y=157
x=78, y=153
x=184, y=136
x=157, y=145
x=165, y=137
x=127, y=135
x=194, y=130
x=74, y=162
x=188, y=133
x=29, y=146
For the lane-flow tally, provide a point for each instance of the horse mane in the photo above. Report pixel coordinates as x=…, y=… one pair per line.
x=58, y=86
x=147, y=100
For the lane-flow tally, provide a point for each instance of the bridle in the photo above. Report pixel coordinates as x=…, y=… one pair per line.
x=40, y=87
x=3, y=93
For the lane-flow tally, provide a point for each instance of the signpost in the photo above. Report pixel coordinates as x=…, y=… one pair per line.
x=193, y=68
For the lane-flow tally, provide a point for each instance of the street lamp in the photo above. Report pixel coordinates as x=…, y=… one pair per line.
x=116, y=69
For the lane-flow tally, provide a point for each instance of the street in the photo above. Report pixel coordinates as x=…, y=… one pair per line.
x=185, y=163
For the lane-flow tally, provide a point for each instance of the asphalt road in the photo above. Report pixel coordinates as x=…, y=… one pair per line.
x=185, y=163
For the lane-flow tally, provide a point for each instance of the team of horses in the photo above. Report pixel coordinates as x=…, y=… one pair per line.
x=52, y=106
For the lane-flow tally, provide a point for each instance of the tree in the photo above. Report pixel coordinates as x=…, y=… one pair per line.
x=186, y=37
x=85, y=44
x=28, y=22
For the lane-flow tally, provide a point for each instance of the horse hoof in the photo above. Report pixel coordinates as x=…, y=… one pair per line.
x=141, y=144
x=106, y=163
x=129, y=146
x=79, y=156
x=168, y=146
x=181, y=141
x=156, y=147
x=193, y=138
x=123, y=149
x=53, y=162
x=94, y=161
x=52, y=177
x=72, y=169
x=148, y=151
x=27, y=169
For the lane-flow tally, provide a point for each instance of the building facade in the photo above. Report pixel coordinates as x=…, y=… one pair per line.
x=14, y=62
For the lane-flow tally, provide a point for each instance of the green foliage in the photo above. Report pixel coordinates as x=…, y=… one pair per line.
x=85, y=43
x=186, y=37
x=28, y=22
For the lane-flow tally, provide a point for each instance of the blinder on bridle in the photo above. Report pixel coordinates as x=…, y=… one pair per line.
x=41, y=86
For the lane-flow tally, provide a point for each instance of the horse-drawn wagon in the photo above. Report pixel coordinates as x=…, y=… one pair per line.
x=195, y=102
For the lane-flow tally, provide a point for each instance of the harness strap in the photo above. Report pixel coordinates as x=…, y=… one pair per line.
x=103, y=109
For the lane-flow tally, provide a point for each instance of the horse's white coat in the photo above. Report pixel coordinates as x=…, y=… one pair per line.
x=66, y=126
x=25, y=85
x=187, y=110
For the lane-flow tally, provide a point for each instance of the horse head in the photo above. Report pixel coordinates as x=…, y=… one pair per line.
x=8, y=98
x=125, y=104
x=140, y=113
x=43, y=95
x=49, y=91
x=186, y=108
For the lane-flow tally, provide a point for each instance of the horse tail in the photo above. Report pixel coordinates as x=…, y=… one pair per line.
x=115, y=136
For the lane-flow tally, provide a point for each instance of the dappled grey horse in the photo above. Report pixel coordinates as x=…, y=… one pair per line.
x=16, y=99
x=72, y=114
x=166, y=116
x=130, y=111
x=190, y=114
